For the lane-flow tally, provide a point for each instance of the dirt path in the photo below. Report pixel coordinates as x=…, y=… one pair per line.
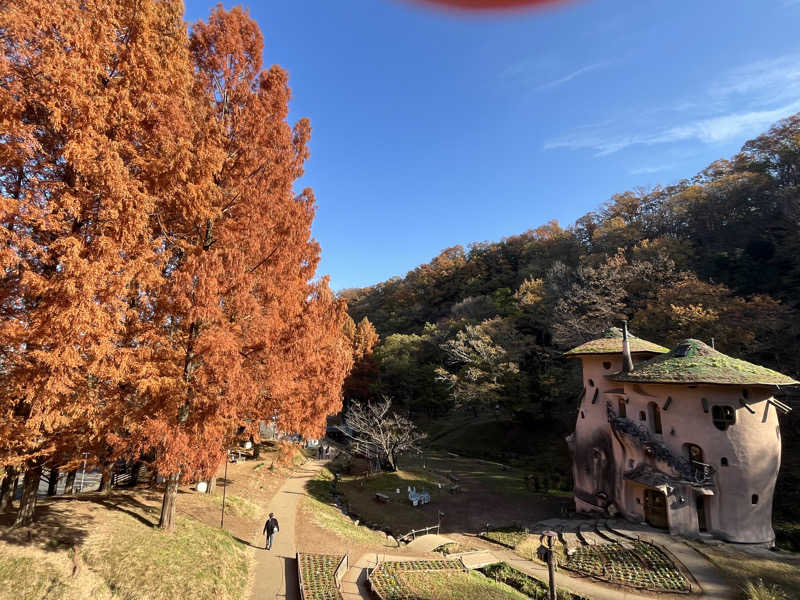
x=275, y=574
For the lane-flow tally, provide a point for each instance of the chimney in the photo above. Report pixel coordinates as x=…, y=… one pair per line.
x=627, y=360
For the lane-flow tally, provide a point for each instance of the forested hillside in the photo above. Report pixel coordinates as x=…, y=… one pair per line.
x=713, y=256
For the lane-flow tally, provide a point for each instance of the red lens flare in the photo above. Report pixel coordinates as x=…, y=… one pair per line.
x=490, y=5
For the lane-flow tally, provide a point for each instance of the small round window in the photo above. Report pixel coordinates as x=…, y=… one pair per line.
x=723, y=416
x=606, y=365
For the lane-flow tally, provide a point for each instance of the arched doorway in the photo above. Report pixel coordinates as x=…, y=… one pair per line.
x=654, y=414
x=655, y=508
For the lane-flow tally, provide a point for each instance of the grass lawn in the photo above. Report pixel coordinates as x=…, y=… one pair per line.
x=30, y=575
x=742, y=568
x=532, y=588
x=235, y=505
x=398, y=514
x=454, y=585
x=122, y=558
x=436, y=580
x=142, y=562
x=510, y=537
x=318, y=506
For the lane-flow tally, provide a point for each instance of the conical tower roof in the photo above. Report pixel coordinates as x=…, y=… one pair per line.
x=610, y=342
x=693, y=361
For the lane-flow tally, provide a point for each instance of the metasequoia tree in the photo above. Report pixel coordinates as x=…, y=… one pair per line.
x=363, y=339
x=379, y=432
x=91, y=142
x=238, y=330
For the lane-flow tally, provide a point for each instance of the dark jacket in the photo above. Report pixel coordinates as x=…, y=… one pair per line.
x=271, y=526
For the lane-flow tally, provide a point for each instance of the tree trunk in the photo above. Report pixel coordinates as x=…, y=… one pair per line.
x=167, y=521
x=52, y=483
x=8, y=488
x=27, y=503
x=69, y=484
x=137, y=466
x=392, y=459
x=256, y=448
x=212, y=483
x=153, y=478
x=107, y=478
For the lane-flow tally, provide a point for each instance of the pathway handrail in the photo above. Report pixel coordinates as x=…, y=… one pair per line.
x=413, y=533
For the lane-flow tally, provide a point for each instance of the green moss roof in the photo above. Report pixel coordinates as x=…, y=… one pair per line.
x=610, y=342
x=692, y=361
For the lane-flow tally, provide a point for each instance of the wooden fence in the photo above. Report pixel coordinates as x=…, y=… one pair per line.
x=415, y=532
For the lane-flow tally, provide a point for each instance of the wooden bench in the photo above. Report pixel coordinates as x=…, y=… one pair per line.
x=381, y=497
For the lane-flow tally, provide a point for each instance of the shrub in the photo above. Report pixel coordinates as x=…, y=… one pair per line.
x=762, y=591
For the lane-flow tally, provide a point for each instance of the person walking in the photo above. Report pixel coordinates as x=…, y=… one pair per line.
x=270, y=529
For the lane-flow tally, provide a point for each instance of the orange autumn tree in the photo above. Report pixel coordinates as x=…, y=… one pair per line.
x=363, y=339
x=238, y=330
x=93, y=138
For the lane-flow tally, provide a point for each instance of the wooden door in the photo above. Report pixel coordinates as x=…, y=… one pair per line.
x=655, y=509
x=702, y=523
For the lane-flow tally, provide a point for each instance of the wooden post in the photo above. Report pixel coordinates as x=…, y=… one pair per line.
x=224, y=489
x=551, y=569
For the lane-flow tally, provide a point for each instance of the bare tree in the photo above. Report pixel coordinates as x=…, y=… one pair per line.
x=380, y=432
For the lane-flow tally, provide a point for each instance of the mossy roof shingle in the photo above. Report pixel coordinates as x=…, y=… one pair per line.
x=610, y=342
x=692, y=361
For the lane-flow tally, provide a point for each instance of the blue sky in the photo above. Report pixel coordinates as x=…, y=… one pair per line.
x=432, y=128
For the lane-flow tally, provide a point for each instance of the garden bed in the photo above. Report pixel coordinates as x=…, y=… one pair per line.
x=316, y=575
x=532, y=588
x=435, y=580
x=636, y=564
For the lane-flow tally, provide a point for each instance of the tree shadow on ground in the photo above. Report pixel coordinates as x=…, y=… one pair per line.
x=246, y=543
x=54, y=528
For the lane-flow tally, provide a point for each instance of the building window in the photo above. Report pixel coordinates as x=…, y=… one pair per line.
x=606, y=365
x=623, y=412
x=655, y=417
x=642, y=416
x=582, y=415
x=682, y=350
x=591, y=383
x=723, y=461
x=754, y=499
x=723, y=416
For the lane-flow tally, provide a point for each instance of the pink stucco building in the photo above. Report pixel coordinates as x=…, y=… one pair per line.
x=686, y=440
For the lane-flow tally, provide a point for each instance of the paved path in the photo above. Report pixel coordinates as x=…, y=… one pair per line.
x=276, y=570
x=427, y=543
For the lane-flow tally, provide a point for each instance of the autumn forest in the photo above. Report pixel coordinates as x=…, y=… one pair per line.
x=161, y=304
x=715, y=256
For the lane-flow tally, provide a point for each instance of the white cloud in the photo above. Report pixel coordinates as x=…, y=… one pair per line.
x=722, y=128
x=570, y=76
x=744, y=101
x=530, y=72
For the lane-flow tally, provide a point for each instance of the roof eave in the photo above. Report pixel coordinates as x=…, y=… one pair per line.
x=684, y=382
